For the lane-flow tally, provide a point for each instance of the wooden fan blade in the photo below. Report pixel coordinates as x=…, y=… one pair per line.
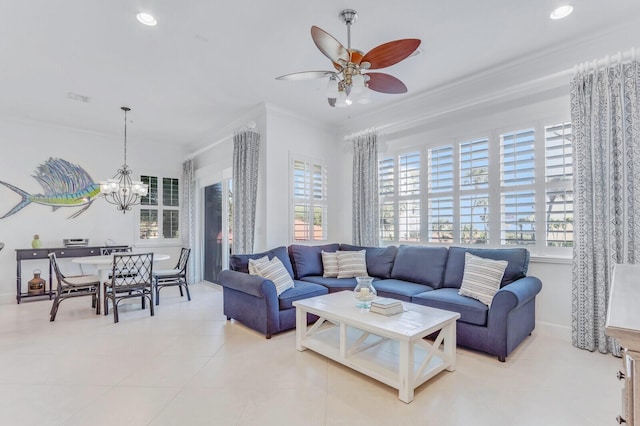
x=329, y=46
x=389, y=53
x=385, y=83
x=305, y=75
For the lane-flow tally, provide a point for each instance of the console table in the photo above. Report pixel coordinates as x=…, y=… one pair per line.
x=623, y=323
x=43, y=253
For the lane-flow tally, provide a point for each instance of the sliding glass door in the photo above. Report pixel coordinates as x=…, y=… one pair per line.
x=217, y=229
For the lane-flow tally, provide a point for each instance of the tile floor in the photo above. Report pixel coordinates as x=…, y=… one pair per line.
x=189, y=366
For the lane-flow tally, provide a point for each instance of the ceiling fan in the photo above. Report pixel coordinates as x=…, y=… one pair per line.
x=352, y=77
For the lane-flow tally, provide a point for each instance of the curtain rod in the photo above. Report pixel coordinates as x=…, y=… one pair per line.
x=618, y=58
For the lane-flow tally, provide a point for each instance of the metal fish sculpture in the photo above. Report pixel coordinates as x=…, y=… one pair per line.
x=64, y=185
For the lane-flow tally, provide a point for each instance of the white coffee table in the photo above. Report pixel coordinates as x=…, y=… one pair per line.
x=389, y=349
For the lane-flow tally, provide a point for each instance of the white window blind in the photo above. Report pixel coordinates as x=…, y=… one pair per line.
x=309, y=201
x=159, y=216
x=386, y=188
x=400, y=203
x=517, y=180
x=559, y=181
x=474, y=164
x=440, y=196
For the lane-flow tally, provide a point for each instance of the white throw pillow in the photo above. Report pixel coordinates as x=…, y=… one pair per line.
x=482, y=277
x=275, y=271
x=329, y=264
x=352, y=264
x=254, y=262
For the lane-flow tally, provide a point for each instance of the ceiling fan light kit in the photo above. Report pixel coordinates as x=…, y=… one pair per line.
x=352, y=81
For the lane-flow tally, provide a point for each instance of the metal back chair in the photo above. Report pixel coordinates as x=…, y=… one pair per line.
x=105, y=251
x=173, y=277
x=131, y=276
x=74, y=286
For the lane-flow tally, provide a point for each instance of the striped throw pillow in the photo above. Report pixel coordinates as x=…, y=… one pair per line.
x=352, y=264
x=275, y=271
x=254, y=262
x=482, y=277
x=329, y=264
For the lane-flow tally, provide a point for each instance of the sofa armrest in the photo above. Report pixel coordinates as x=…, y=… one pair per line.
x=249, y=284
x=516, y=294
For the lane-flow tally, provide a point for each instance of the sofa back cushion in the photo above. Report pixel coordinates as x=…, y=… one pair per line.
x=379, y=259
x=518, y=259
x=240, y=262
x=307, y=260
x=419, y=264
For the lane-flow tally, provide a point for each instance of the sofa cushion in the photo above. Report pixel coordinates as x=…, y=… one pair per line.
x=518, y=259
x=398, y=289
x=352, y=264
x=301, y=290
x=333, y=284
x=471, y=311
x=307, y=260
x=379, y=259
x=421, y=265
x=329, y=264
x=254, y=262
x=275, y=271
x=481, y=278
x=240, y=262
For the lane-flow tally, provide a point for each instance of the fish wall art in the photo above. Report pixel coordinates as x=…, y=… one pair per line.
x=64, y=185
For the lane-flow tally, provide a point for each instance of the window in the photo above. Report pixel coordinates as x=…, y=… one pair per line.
x=517, y=193
x=511, y=188
x=559, y=185
x=473, y=199
x=400, y=210
x=309, y=200
x=440, y=196
x=160, y=220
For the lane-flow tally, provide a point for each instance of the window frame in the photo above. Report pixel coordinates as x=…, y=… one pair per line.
x=312, y=202
x=160, y=208
x=495, y=188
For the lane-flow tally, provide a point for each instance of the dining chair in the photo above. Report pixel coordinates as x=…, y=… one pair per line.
x=173, y=277
x=125, y=285
x=74, y=286
x=105, y=251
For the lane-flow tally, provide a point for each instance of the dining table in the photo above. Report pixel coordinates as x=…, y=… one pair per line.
x=104, y=264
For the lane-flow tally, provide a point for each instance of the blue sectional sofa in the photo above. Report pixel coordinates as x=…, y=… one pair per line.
x=429, y=276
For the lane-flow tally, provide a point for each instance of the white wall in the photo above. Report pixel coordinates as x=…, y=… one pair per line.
x=287, y=135
x=26, y=145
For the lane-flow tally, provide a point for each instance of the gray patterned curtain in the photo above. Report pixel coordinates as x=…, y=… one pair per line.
x=246, y=156
x=188, y=213
x=365, y=216
x=606, y=128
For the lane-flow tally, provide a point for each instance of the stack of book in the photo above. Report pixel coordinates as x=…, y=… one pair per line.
x=386, y=306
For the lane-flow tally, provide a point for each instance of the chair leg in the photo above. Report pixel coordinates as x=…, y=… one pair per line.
x=180, y=287
x=186, y=288
x=54, y=308
x=115, y=311
x=106, y=300
x=151, y=302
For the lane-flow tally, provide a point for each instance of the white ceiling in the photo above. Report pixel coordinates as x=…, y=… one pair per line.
x=207, y=62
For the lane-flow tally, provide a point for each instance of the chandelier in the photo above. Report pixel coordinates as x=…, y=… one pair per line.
x=121, y=190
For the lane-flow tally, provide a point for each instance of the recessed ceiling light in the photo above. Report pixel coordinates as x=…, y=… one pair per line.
x=561, y=12
x=146, y=19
